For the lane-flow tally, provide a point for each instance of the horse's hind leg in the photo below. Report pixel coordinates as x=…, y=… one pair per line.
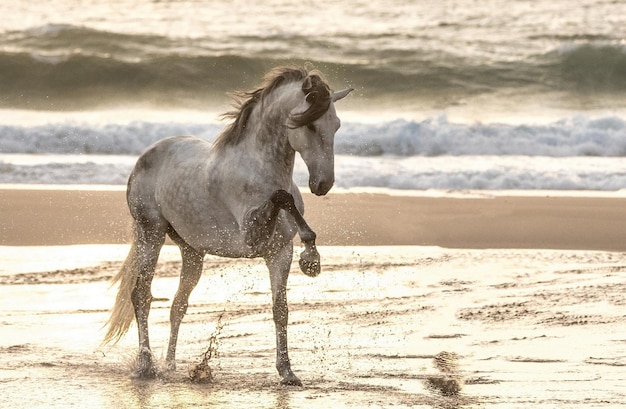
x=279, y=264
x=149, y=239
x=189, y=277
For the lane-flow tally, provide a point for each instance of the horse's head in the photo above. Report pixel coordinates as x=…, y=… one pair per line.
x=312, y=126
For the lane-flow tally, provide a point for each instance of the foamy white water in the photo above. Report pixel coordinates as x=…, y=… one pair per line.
x=578, y=153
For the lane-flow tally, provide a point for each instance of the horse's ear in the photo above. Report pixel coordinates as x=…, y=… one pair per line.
x=299, y=110
x=336, y=96
x=307, y=84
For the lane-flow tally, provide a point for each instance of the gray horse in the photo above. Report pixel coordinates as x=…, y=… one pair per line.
x=235, y=198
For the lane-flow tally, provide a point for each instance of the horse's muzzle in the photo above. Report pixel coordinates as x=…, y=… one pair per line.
x=320, y=187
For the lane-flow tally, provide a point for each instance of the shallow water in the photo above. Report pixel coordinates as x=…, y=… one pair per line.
x=529, y=329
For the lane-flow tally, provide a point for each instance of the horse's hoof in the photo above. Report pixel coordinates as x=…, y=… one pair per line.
x=145, y=366
x=310, y=263
x=291, y=380
x=148, y=373
x=312, y=269
x=171, y=366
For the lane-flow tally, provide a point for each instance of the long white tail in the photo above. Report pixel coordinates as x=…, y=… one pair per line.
x=123, y=313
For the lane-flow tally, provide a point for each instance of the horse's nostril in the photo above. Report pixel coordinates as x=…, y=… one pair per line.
x=320, y=187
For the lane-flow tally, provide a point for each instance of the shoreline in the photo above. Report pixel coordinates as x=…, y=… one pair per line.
x=49, y=215
x=438, y=193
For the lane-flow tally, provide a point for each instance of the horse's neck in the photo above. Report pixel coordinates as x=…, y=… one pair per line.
x=266, y=143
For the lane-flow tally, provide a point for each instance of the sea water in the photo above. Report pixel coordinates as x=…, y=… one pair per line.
x=449, y=95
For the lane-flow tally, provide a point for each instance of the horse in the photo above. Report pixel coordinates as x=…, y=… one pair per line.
x=233, y=198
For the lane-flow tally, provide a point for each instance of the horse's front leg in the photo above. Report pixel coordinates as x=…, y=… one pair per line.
x=279, y=264
x=262, y=221
x=310, y=257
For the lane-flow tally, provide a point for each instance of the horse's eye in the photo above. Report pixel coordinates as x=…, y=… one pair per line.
x=311, y=127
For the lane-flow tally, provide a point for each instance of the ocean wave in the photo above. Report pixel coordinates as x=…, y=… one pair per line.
x=50, y=82
x=598, y=66
x=73, y=67
x=479, y=173
x=574, y=136
x=411, y=173
x=88, y=138
x=87, y=173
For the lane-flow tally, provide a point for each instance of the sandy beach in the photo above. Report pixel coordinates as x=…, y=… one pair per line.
x=523, y=295
x=31, y=217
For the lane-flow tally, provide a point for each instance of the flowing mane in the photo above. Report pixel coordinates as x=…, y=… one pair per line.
x=316, y=90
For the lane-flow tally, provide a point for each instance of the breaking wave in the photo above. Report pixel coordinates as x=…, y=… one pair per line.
x=575, y=136
x=39, y=71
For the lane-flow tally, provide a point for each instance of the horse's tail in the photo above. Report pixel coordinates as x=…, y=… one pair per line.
x=123, y=312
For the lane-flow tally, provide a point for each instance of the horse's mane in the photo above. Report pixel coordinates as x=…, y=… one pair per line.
x=316, y=90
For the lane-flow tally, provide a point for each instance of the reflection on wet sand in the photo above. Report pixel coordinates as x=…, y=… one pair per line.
x=402, y=327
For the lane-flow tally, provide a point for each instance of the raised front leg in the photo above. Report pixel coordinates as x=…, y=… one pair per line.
x=262, y=221
x=279, y=265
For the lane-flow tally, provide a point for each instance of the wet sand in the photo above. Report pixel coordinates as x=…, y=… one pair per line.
x=530, y=327
x=64, y=217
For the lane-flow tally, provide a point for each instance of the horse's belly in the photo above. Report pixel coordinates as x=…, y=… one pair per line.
x=212, y=234
x=203, y=225
x=220, y=241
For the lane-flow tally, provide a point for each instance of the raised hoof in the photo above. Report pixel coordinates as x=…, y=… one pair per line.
x=310, y=262
x=145, y=366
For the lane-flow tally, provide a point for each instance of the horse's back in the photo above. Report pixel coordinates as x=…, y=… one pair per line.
x=156, y=167
x=174, y=186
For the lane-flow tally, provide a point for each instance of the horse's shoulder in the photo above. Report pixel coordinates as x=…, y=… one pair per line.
x=170, y=147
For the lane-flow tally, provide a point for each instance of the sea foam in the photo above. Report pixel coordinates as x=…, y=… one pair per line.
x=576, y=153
x=578, y=135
